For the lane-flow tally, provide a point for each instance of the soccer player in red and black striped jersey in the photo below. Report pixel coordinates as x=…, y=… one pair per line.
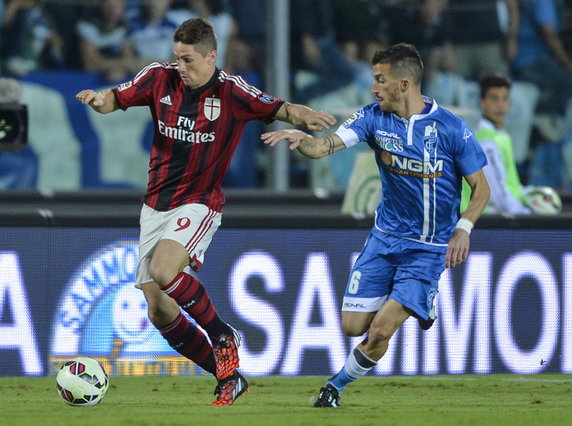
x=199, y=114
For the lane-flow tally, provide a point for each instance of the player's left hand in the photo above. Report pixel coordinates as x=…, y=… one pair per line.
x=319, y=120
x=458, y=249
x=293, y=136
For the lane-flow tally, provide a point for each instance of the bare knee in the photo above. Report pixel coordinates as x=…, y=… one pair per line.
x=156, y=316
x=168, y=260
x=355, y=323
x=380, y=334
x=162, y=274
x=161, y=309
x=351, y=329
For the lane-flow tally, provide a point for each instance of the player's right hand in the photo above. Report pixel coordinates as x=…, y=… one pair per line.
x=319, y=121
x=91, y=97
x=457, y=249
x=294, y=137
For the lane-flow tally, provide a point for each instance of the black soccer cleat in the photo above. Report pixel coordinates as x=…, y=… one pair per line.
x=328, y=397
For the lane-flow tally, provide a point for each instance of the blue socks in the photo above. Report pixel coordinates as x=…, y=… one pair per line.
x=341, y=379
x=357, y=365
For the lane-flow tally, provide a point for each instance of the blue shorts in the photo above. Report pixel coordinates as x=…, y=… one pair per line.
x=392, y=267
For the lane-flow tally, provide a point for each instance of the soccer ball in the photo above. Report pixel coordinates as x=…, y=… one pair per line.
x=542, y=200
x=82, y=382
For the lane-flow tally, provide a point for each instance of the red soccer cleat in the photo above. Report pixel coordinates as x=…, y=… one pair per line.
x=229, y=389
x=225, y=349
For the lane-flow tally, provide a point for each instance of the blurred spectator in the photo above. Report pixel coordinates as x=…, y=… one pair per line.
x=567, y=147
x=65, y=15
x=221, y=19
x=566, y=33
x=422, y=25
x=542, y=58
x=359, y=21
x=246, y=56
x=361, y=29
x=103, y=42
x=10, y=91
x=18, y=170
x=29, y=40
x=360, y=57
x=248, y=52
x=484, y=35
x=314, y=49
x=151, y=29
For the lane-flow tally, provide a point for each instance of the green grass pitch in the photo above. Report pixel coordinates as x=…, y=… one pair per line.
x=394, y=400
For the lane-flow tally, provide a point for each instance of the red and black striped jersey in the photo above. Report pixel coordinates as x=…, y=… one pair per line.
x=196, y=131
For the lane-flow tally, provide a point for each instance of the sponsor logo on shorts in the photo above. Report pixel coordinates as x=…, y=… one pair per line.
x=354, y=305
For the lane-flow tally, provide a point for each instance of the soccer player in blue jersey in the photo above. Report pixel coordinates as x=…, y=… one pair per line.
x=422, y=152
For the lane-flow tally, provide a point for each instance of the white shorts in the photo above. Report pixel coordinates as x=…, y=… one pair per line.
x=191, y=225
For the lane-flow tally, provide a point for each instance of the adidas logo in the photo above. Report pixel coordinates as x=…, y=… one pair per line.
x=238, y=389
x=166, y=100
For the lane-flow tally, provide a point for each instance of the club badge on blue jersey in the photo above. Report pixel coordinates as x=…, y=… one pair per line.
x=430, y=138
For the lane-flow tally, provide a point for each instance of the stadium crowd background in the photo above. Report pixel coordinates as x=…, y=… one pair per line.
x=64, y=232
x=105, y=42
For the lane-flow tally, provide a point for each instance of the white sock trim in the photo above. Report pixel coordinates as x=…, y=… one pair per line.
x=354, y=368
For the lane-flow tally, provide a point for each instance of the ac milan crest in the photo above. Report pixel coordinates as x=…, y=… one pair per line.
x=212, y=108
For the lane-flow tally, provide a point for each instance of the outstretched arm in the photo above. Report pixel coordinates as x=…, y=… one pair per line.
x=306, y=144
x=300, y=115
x=458, y=248
x=102, y=102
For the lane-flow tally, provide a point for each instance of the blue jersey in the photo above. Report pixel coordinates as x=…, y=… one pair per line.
x=421, y=163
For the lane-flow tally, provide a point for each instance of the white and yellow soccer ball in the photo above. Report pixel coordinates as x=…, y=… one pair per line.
x=542, y=200
x=82, y=382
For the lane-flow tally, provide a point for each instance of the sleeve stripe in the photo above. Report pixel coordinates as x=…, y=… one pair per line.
x=147, y=68
x=251, y=90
